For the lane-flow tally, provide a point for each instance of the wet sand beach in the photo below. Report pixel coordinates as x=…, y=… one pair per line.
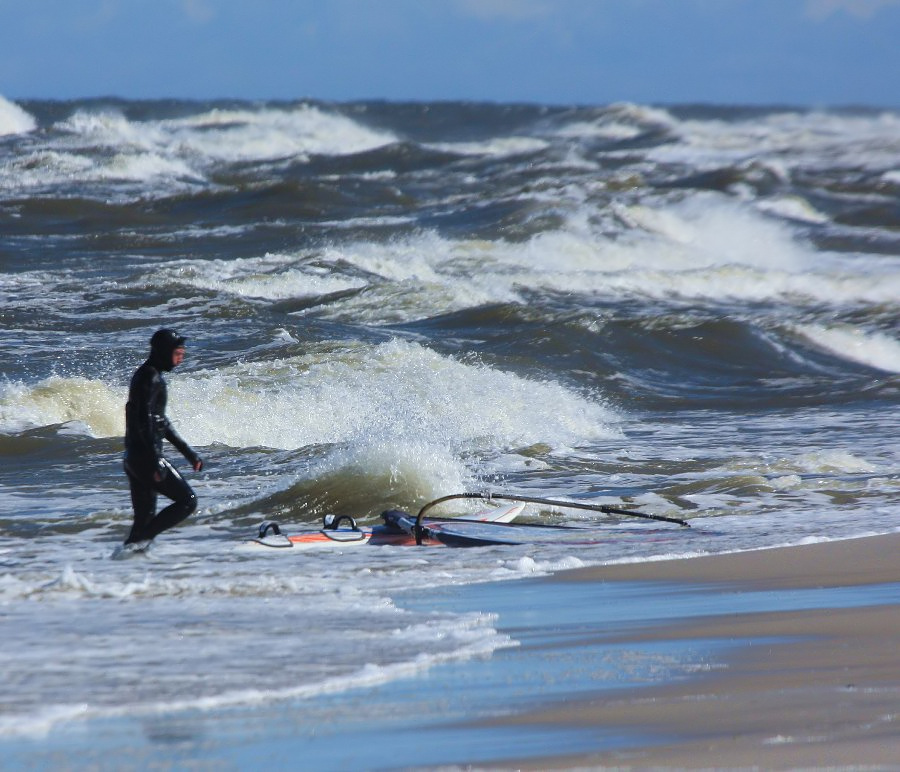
x=796, y=687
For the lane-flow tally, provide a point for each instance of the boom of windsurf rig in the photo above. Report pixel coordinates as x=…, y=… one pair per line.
x=419, y=529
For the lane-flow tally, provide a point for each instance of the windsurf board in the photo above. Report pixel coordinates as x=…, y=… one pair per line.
x=398, y=530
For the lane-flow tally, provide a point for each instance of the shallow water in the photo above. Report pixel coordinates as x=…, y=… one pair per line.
x=556, y=653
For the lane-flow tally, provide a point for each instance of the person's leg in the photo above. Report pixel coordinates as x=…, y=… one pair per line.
x=143, y=502
x=184, y=501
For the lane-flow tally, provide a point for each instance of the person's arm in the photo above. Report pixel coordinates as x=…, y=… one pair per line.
x=186, y=450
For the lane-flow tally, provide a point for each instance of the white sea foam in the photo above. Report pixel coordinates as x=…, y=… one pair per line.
x=709, y=247
x=240, y=135
x=110, y=129
x=831, y=461
x=174, y=154
x=816, y=462
x=57, y=400
x=146, y=167
x=279, y=133
x=13, y=119
x=793, y=208
x=603, y=129
x=273, y=277
x=498, y=147
x=529, y=566
x=786, y=139
x=393, y=393
x=704, y=247
x=56, y=167
x=315, y=666
x=397, y=415
x=113, y=580
x=621, y=121
x=875, y=349
x=397, y=412
x=708, y=230
x=700, y=249
x=43, y=167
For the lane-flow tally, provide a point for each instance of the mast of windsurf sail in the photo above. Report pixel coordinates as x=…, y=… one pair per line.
x=605, y=509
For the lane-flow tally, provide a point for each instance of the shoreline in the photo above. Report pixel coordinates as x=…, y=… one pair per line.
x=780, y=658
x=797, y=687
x=839, y=563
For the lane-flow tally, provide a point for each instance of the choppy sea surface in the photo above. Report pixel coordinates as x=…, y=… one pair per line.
x=692, y=311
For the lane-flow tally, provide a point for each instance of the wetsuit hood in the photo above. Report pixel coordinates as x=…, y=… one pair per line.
x=162, y=344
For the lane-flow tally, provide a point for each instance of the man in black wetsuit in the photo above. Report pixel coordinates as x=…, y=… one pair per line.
x=146, y=425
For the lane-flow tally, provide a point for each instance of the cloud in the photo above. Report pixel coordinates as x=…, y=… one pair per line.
x=505, y=10
x=861, y=9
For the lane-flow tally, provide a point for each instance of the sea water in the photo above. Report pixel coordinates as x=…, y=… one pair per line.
x=688, y=311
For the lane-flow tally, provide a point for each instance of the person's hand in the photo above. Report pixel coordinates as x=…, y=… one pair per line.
x=198, y=465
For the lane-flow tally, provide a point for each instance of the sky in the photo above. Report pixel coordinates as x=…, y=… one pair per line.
x=809, y=53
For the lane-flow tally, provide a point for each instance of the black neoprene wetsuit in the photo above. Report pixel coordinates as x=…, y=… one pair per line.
x=146, y=426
